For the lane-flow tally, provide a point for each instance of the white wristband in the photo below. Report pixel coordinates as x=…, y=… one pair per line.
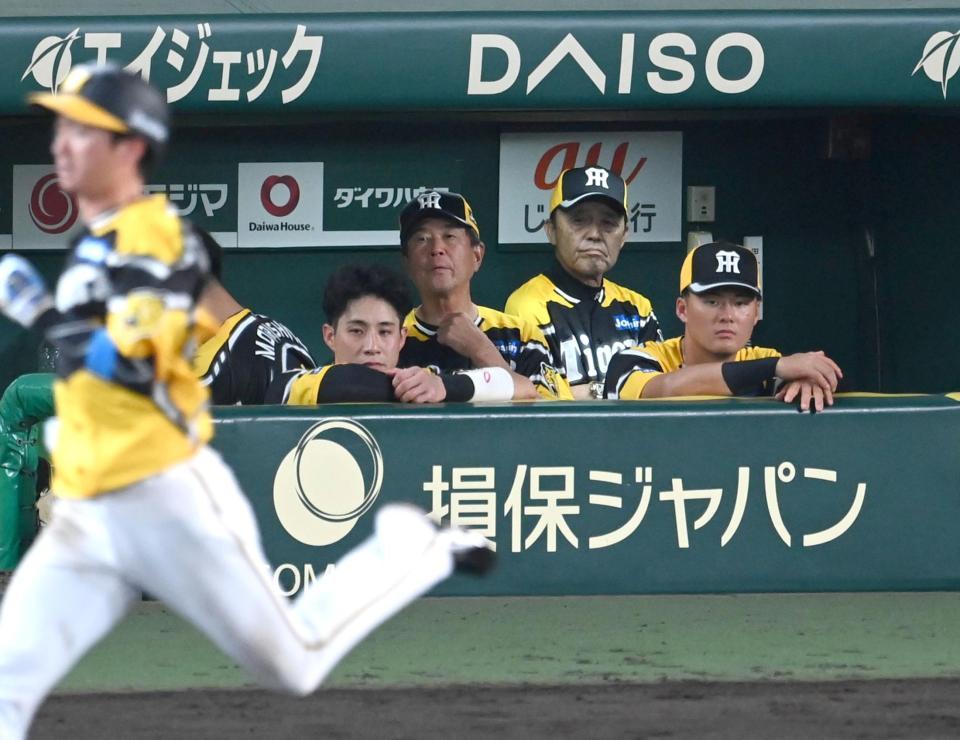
x=491, y=384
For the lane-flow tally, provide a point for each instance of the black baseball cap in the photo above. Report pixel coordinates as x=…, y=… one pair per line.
x=580, y=183
x=720, y=265
x=108, y=97
x=432, y=204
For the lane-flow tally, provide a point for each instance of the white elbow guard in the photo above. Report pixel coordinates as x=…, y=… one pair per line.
x=491, y=384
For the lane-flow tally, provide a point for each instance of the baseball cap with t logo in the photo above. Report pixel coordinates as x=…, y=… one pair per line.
x=436, y=204
x=720, y=265
x=581, y=183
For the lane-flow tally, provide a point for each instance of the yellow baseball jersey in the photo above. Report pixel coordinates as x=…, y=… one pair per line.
x=303, y=389
x=630, y=370
x=519, y=342
x=584, y=326
x=128, y=402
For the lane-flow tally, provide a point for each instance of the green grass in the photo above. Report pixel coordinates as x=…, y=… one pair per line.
x=546, y=640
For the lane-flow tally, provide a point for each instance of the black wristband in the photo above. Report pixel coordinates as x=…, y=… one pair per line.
x=459, y=387
x=747, y=377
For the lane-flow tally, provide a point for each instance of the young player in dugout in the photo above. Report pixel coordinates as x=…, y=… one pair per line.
x=365, y=306
x=719, y=305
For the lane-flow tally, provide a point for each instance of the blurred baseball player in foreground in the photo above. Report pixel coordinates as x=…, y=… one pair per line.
x=365, y=306
x=142, y=503
x=719, y=305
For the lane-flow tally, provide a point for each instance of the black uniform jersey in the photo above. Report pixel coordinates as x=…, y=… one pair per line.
x=247, y=354
x=520, y=343
x=584, y=326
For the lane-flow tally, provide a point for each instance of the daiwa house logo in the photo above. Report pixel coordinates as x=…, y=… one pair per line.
x=941, y=58
x=51, y=60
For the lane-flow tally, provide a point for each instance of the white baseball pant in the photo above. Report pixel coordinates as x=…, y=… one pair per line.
x=188, y=537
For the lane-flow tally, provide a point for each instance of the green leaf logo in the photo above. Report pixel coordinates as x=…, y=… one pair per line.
x=941, y=58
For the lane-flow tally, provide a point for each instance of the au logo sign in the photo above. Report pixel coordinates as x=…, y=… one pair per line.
x=648, y=161
x=328, y=481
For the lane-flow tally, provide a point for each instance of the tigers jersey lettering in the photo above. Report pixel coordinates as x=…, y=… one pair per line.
x=246, y=356
x=128, y=403
x=631, y=370
x=520, y=343
x=584, y=326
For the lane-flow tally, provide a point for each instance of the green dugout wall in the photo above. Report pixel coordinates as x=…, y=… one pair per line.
x=590, y=498
x=840, y=151
x=648, y=497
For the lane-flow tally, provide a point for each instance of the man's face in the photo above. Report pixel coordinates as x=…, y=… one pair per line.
x=719, y=322
x=368, y=333
x=588, y=238
x=441, y=258
x=88, y=159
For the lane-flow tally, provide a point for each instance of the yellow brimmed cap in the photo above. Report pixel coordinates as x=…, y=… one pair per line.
x=110, y=98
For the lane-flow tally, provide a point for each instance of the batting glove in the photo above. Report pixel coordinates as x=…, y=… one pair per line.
x=23, y=294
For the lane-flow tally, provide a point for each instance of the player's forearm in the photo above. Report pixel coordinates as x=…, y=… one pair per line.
x=523, y=388
x=714, y=379
x=582, y=392
x=693, y=380
x=484, y=354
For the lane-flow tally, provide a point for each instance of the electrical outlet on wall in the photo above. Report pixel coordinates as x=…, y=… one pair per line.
x=701, y=203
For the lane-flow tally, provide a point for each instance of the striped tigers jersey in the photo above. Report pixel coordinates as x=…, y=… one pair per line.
x=584, y=326
x=248, y=352
x=520, y=343
x=630, y=370
x=127, y=400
